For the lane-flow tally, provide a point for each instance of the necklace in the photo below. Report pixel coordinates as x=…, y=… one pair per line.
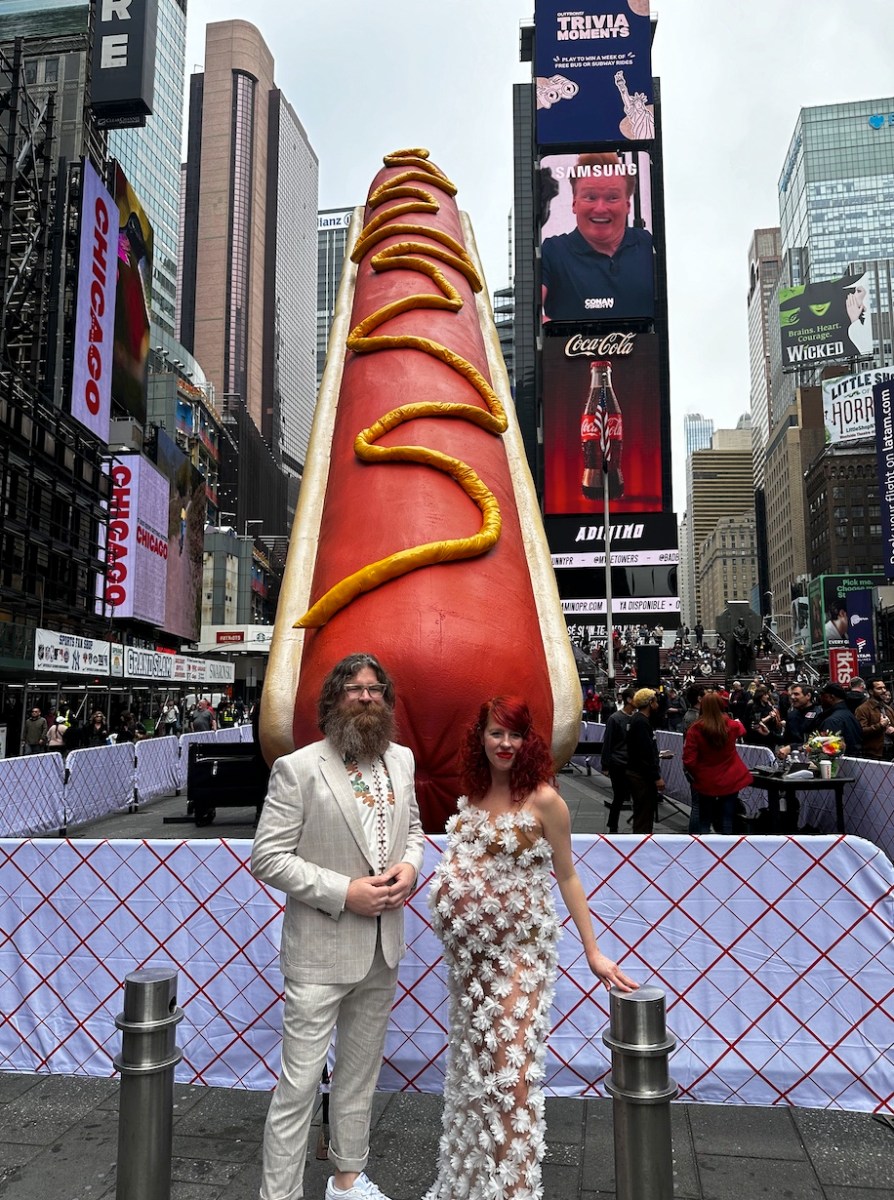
x=380, y=790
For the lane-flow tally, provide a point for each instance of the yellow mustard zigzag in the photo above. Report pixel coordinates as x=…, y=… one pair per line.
x=407, y=255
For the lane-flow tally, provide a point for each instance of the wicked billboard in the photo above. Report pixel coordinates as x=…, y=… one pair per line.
x=823, y=322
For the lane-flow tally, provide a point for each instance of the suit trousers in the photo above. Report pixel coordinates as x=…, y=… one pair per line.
x=359, y=1013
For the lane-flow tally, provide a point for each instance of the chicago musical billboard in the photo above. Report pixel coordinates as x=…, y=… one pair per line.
x=185, y=534
x=137, y=545
x=91, y=382
x=135, y=249
x=593, y=72
x=597, y=254
x=571, y=484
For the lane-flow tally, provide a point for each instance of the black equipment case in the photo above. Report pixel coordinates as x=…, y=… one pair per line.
x=224, y=775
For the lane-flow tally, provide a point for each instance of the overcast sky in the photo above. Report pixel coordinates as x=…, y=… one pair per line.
x=366, y=78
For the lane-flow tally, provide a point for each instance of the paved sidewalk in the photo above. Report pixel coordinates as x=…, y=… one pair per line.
x=58, y=1135
x=58, y=1141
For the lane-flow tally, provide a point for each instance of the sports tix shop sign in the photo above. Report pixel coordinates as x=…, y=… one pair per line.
x=67, y=654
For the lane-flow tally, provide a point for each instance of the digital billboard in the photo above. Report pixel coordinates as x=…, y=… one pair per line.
x=822, y=322
x=841, y=610
x=597, y=254
x=135, y=248
x=637, y=458
x=137, y=544
x=185, y=535
x=883, y=406
x=644, y=560
x=593, y=72
x=91, y=382
x=122, y=76
x=848, y=407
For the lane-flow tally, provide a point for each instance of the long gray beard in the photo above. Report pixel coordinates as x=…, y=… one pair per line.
x=361, y=735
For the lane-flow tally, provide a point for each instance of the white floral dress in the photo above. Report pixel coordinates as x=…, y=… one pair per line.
x=491, y=905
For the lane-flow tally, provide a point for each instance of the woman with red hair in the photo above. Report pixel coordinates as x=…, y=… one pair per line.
x=712, y=762
x=491, y=905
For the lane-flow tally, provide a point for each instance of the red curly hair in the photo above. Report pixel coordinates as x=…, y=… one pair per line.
x=533, y=764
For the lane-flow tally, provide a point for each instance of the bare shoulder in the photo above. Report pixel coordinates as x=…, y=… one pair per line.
x=546, y=802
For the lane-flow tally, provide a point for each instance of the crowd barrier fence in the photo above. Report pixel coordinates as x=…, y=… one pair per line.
x=775, y=954
x=868, y=801
x=45, y=793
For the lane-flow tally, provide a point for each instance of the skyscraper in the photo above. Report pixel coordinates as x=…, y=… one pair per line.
x=150, y=158
x=332, y=240
x=836, y=212
x=250, y=241
x=836, y=189
x=721, y=484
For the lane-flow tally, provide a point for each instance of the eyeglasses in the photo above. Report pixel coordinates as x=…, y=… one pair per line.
x=357, y=689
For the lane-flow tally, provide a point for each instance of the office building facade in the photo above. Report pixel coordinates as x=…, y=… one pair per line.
x=332, y=241
x=250, y=239
x=150, y=158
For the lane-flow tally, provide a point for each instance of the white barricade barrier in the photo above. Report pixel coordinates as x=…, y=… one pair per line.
x=775, y=954
x=869, y=802
x=677, y=785
x=31, y=795
x=246, y=733
x=230, y=734
x=100, y=781
x=186, y=740
x=157, y=772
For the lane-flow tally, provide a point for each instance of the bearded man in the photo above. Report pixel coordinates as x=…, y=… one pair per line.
x=340, y=834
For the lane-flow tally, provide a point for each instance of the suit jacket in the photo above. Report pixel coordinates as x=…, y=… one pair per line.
x=310, y=844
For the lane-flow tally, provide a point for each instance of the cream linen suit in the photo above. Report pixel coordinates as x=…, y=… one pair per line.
x=338, y=966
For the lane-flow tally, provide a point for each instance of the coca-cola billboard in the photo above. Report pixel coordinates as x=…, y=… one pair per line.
x=635, y=410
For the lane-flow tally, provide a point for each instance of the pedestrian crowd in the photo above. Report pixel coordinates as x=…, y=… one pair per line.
x=714, y=721
x=63, y=730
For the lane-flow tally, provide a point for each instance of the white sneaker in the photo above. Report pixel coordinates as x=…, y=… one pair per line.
x=363, y=1189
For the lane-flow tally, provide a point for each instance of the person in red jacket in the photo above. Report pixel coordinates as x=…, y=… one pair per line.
x=715, y=768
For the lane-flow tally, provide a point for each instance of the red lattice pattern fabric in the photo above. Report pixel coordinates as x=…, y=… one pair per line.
x=775, y=954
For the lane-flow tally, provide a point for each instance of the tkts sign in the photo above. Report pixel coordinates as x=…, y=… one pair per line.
x=608, y=345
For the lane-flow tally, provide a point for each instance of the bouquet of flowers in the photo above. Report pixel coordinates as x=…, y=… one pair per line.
x=826, y=747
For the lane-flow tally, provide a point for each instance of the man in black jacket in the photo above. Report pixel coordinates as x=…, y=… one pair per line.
x=614, y=756
x=643, y=768
x=838, y=718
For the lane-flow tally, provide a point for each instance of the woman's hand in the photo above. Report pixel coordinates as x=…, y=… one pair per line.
x=609, y=972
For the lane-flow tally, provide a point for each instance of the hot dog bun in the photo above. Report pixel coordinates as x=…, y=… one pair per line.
x=431, y=553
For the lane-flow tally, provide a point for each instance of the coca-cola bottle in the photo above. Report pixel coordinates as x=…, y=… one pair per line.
x=602, y=405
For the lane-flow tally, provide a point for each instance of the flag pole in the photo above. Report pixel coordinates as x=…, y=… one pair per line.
x=609, y=648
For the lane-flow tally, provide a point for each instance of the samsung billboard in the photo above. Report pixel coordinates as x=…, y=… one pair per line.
x=122, y=78
x=91, y=383
x=593, y=72
x=597, y=254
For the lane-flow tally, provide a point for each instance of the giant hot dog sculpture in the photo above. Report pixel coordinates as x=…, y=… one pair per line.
x=418, y=537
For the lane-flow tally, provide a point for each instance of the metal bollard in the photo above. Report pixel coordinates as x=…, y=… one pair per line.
x=642, y=1091
x=146, y=1062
